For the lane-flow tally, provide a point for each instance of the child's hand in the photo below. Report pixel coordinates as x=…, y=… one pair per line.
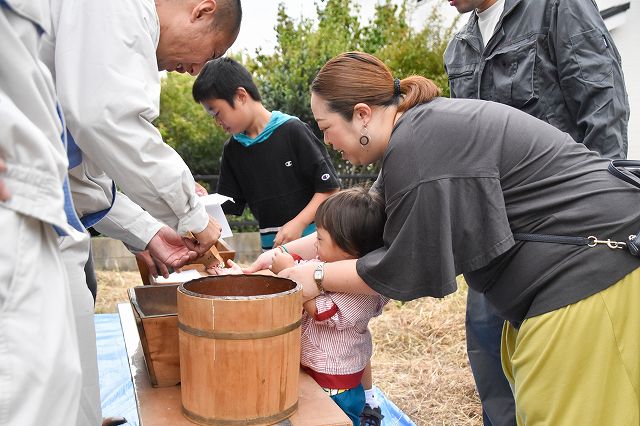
x=290, y=231
x=262, y=262
x=232, y=269
x=280, y=261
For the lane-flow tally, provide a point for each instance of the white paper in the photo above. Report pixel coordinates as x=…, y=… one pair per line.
x=179, y=277
x=212, y=203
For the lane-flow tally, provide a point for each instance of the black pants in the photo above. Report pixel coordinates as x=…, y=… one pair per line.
x=484, y=331
x=90, y=273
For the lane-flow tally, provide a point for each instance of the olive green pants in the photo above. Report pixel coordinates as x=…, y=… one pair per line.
x=579, y=365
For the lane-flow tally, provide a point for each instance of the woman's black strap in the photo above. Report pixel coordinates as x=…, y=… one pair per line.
x=627, y=170
x=546, y=238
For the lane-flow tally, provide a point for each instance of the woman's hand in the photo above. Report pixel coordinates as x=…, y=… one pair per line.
x=303, y=275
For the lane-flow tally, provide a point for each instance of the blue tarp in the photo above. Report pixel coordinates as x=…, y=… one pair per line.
x=116, y=387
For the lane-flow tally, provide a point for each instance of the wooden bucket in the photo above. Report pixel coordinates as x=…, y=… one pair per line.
x=155, y=311
x=239, y=349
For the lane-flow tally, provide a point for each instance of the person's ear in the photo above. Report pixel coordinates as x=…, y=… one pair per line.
x=205, y=9
x=362, y=112
x=242, y=96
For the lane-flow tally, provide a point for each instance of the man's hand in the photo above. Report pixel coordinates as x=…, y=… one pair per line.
x=168, y=248
x=4, y=191
x=208, y=237
x=200, y=190
x=154, y=268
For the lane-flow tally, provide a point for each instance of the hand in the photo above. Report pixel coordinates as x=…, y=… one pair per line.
x=261, y=263
x=168, y=248
x=281, y=260
x=207, y=237
x=303, y=275
x=290, y=231
x=154, y=268
x=231, y=269
x=200, y=190
x=4, y=191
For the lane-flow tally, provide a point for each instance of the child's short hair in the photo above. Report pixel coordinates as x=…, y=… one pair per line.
x=220, y=78
x=354, y=218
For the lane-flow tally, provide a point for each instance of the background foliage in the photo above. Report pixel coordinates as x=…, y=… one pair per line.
x=285, y=75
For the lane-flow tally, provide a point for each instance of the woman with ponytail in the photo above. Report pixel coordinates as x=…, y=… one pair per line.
x=465, y=184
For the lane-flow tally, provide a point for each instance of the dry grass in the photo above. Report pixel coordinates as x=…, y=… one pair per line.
x=419, y=360
x=112, y=289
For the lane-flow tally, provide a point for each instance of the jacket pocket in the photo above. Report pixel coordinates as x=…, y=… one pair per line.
x=461, y=80
x=590, y=52
x=514, y=74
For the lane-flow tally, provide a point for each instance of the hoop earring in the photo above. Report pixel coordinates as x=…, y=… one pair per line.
x=364, y=138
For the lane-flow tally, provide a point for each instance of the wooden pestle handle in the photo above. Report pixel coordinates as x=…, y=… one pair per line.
x=211, y=258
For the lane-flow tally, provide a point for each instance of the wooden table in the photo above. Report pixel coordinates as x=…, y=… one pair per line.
x=162, y=406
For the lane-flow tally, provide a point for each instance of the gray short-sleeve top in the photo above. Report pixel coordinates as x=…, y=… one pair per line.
x=460, y=176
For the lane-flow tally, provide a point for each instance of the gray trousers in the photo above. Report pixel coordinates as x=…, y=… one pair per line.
x=484, y=333
x=75, y=255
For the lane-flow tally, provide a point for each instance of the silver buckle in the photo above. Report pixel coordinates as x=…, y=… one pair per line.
x=593, y=241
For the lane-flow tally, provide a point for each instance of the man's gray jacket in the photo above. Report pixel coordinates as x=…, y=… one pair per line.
x=552, y=59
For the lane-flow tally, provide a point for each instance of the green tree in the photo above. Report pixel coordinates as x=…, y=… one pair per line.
x=187, y=127
x=415, y=52
x=284, y=77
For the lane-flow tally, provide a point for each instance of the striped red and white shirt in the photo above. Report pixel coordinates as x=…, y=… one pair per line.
x=336, y=343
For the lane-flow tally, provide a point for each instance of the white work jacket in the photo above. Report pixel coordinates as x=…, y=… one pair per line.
x=102, y=55
x=31, y=142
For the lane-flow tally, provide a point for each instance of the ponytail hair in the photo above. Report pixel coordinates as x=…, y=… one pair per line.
x=356, y=77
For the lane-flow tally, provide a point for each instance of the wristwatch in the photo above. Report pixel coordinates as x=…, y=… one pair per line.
x=318, y=275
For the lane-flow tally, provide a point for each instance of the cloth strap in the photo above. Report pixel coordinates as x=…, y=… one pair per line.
x=627, y=170
x=546, y=238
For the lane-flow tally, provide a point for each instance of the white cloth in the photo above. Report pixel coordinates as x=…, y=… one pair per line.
x=40, y=374
x=75, y=255
x=105, y=70
x=488, y=19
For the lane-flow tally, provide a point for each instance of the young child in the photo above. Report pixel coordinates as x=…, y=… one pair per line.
x=349, y=225
x=273, y=162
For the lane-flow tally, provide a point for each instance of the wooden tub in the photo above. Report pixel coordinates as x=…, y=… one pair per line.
x=239, y=349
